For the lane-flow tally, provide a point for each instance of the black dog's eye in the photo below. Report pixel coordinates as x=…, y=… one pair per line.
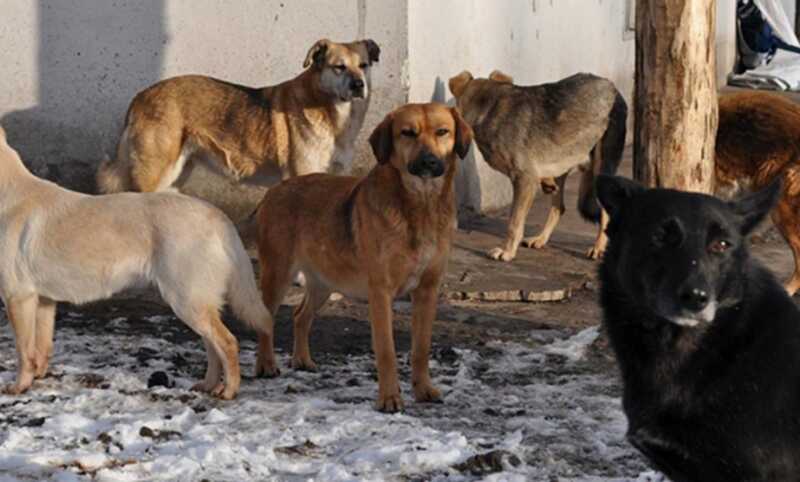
x=340, y=68
x=363, y=65
x=442, y=132
x=408, y=133
x=718, y=246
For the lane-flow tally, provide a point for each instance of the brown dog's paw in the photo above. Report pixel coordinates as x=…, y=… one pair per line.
x=500, y=254
x=267, y=370
x=305, y=365
x=427, y=394
x=594, y=253
x=224, y=392
x=392, y=403
x=535, y=242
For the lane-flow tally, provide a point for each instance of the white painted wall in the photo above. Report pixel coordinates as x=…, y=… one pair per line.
x=70, y=69
x=535, y=41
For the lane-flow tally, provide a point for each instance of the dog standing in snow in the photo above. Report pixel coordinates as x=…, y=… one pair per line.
x=59, y=245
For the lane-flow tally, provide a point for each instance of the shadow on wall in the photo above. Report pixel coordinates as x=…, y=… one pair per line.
x=468, y=186
x=92, y=58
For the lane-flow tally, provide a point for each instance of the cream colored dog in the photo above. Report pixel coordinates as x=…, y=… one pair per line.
x=60, y=245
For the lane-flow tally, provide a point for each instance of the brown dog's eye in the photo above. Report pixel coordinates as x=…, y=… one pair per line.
x=719, y=246
x=442, y=132
x=363, y=66
x=408, y=133
x=339, y=68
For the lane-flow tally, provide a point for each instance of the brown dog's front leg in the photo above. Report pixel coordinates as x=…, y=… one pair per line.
x=423, y=301
x=380, y=315
x=525, y=187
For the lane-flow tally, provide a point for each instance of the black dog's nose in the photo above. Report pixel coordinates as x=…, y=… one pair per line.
x=694, y=299
x=356, y=84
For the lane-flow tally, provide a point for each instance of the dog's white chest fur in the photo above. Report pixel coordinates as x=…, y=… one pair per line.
x=423, y=260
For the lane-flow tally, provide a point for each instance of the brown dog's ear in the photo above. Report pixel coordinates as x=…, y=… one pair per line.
x=463, y=134
x=373, y=51
x=498, y=76
x=459, y=83
x=316, y=52
x=382, y=140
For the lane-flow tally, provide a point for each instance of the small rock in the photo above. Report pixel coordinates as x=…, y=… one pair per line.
x=159, y=435
x=353, y=382
x=159, y=379
x=304, y=449
x=34, y=422
x=488, y=463
x=291, y=389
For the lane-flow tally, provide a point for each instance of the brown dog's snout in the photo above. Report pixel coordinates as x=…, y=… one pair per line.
x=426, y=165
x=357, y=87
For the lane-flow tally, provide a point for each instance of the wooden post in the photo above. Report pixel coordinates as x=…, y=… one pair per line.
x=675, y=97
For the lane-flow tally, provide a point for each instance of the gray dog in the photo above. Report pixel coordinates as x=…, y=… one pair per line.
x=540, y=133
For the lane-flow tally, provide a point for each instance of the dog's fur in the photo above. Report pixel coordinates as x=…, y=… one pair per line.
x=707, y=341
x=373, y=238
x=258, y=135
x=541, y=132
x=758, y=139
x=59, y=245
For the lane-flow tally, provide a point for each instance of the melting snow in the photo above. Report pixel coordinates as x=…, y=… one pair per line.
x=545, y=406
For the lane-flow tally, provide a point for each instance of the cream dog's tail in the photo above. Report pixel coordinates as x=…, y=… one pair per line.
x=243, y=295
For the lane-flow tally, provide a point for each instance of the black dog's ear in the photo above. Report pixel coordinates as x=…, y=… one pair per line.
x=754, y=208
x=613, y=192
x=382, y=140
x=458, y=84
x=373, y=51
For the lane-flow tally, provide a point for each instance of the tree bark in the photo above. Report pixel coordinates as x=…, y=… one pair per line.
x=675, y=99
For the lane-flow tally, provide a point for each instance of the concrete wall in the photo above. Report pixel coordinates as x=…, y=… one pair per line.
x=535, y=41
x=70, y=69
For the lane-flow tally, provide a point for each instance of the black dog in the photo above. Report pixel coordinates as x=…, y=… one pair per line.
x=708, y=342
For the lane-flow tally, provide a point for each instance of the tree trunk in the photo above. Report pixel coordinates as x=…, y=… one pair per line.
x=675, y=124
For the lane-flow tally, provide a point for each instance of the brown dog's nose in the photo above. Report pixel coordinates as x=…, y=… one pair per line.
x=356, y=84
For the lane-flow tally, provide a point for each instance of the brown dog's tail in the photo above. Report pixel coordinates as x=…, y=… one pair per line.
x=112, y=177
x=115, y=176
x=605, y=158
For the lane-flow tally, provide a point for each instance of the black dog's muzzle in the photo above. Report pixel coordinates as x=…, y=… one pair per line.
x=426, y=165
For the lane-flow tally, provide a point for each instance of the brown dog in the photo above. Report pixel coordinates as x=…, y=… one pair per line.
x=304, y=125
x=538, y=134
x=373, y=238
x=758, y=139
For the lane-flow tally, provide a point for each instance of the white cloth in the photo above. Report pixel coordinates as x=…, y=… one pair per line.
x=783, y=72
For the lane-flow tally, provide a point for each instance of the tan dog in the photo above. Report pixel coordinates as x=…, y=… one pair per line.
x=60, y=245
x=304, y=125
x=537, y=135
x=373, y=238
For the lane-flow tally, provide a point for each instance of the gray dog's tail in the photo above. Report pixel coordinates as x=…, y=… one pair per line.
x=605, y=158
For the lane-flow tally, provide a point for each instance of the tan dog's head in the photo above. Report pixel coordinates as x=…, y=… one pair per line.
x=422, y=141
x=468, y=90
x=343, y=67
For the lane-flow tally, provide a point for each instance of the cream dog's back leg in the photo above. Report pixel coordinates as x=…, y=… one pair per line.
x=45, y=323
x=22, y=314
